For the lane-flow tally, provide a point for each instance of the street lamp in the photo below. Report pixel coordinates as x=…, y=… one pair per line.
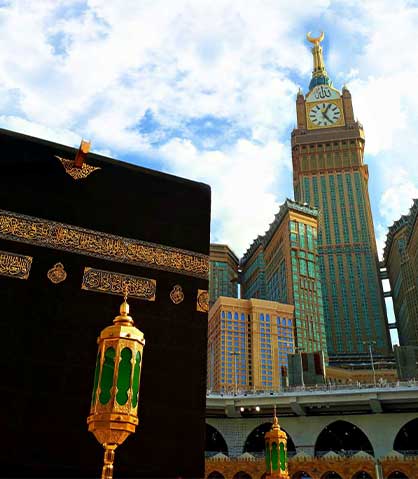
x=235, y=354
x=370, y=343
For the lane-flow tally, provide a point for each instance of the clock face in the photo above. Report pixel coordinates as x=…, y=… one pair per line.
x=324, y=114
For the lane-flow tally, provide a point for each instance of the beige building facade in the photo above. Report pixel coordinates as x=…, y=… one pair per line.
x=248, y=344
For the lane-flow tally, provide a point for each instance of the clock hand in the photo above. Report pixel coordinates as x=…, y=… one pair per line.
x=324, y=112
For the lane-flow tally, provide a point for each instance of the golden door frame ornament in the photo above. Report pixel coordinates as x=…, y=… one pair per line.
x=15, y=265
x=51, y=234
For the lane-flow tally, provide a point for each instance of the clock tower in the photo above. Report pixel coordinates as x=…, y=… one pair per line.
x=329, y=173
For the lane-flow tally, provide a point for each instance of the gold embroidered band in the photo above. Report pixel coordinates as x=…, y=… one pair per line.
x=15, y=265
x=115, y=283
x=50, y=234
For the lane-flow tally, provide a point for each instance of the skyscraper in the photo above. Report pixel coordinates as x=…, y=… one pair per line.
x=329, y=173
x=248, y=344
x=283, y=266
x=401, y=260
x=223, y=272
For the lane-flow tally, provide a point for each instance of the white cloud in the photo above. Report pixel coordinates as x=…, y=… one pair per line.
x=73, y=69
x=242, y=180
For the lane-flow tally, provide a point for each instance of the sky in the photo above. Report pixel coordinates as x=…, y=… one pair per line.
x=205, y=89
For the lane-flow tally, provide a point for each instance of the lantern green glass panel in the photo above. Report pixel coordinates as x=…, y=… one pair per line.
x=135, y=381
x=106, y=381
x=274, y=457
x=96, y=379
x=282, y=457
x=267, y=456
x=124, y=376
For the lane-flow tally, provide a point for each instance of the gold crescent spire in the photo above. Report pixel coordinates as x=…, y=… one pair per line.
x=316, y=40
x=319, y=73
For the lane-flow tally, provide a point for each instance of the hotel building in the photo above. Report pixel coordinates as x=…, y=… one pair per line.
x=248, y=344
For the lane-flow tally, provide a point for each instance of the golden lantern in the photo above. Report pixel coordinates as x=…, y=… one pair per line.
x=114, y=405
x=276, y=451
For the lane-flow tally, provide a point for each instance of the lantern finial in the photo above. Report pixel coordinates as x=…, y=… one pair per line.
x=124, y=317
x=275, y=420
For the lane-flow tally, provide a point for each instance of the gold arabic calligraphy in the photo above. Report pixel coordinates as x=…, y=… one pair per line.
x=40, y=232
x=15, y=265
x=115, y=283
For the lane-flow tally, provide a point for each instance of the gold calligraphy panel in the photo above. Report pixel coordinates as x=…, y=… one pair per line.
x=115, y=283
x=51, y=234
x=15, y=265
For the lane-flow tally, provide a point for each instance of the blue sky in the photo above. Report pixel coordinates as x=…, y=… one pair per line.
x=206, y=89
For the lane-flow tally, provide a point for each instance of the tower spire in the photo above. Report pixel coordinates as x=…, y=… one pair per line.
x=319, y=73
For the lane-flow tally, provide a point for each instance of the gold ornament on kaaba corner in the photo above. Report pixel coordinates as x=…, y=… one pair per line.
x=202, y=303
x=114, y=405
x=57, y=273
x=176, y=294
x=78, y=169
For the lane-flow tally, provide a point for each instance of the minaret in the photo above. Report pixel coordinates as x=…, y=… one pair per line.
x=329, y=173
x=276, y=451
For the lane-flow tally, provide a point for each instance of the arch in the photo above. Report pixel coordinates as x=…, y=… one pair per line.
x=342, y=437
x=397, y=475
x=254, y=444
x=215, y=475
x=362, y=475
x=406, y=441
x=214, y=442
x=242, y=475
x=331, y=475
x=301, y=475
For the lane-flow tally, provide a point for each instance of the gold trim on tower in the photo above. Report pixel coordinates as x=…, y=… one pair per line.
x=50, y=234
x=115, y=283
x=15, y=265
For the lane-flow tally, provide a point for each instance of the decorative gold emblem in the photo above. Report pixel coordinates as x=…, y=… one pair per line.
x=15, y=265
x=315, y=40
x=40, y=232
x=77, y=173
x=57, y=273
x=176, y=294
x=116, y=283
x=202, y=303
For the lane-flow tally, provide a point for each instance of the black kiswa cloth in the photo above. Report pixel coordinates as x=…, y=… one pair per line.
x=50, y=329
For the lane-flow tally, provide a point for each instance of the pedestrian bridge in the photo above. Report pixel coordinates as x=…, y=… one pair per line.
x=344, y=419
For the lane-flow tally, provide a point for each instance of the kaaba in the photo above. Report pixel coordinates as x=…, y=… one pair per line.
x=76, y=228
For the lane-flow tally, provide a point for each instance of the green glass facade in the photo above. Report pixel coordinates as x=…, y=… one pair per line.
x=284, y=266
x=332, y=177
x=223, y=273
x=306, y=288
x=253, y=282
